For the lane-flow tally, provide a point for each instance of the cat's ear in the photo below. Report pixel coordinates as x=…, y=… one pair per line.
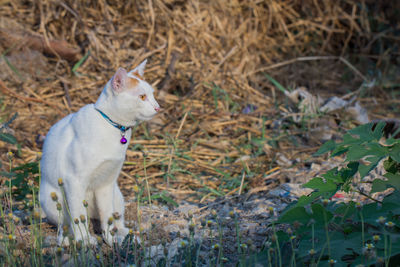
x=139, y=70
x=119, y=80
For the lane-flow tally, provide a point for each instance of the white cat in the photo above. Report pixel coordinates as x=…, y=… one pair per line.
x=87, y=149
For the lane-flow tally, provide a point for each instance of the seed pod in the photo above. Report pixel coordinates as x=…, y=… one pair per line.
x=191, y=227
x=116, y=215
x=54, y=196
x=36, y=214
x=312, y=252
x=79, y=245
x=214, y=213
x=65, y=230
x=59, y=251
x=232, y=214
x=190, y=214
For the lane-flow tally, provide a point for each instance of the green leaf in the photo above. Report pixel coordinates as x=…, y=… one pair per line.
x=394, y=152
x=320, y=214
x=378, y=131
x=356, y=153
x=365, y=169
x=379, y=185
x=392, y=139
x=364, y=132
x=350, y=171
x=214, y=191
x=327, y=146
x=391, y=166
x=321, y=185
x=373, y=211
x=348, y=139
x=393, y=180
x=276, y=83
x=305, y=200
x=339, y=150
x=80, y=62
x=7, y=174
x=31, y=167
x=295, y=214
x=343, y=247
x=169, y=200
x=377, y=149
x=345, y=210
x=8, y=138
x=333, y=175
x=12, y=67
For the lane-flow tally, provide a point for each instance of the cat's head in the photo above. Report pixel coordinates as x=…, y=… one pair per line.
x=128, y=97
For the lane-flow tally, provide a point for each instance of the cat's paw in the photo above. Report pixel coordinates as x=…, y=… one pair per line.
x=123, y=231
x=90, y=240
x=116, y=236
x=62, y=241
x=86, y=239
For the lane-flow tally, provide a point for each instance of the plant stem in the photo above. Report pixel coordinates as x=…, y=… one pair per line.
x=293, y=259
x=367, y=196
x=269, y=258
x=327, y=234
x=362, y=229
x=147, y=182
x=277, y=244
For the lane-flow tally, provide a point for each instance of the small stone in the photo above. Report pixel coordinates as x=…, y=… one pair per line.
x=123, y=140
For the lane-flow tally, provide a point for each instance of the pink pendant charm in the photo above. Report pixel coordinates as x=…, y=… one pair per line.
x=123, y=140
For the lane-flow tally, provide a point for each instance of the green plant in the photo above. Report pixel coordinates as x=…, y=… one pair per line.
x=348, y=233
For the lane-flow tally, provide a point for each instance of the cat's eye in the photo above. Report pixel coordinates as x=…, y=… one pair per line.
x=143, y=97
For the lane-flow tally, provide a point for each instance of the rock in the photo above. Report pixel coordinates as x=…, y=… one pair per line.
x=156, y=254
x=296, y=189
x=358, y=113
x=283, y=161
x=278, y=192
x=250, y=227
x=50, y=241
x=333, y=103
x=185, y=209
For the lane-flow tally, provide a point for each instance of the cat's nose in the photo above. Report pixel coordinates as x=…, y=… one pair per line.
x=157, y=109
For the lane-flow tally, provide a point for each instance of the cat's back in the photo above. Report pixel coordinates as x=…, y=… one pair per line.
x=64, y=129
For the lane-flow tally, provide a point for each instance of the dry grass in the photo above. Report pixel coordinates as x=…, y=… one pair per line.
x=194, y=48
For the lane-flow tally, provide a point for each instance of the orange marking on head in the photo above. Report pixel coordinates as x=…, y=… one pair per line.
x=138, y=75
x=131, y=83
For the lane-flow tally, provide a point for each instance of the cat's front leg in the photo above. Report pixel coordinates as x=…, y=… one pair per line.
x=77, y=214
x=110, y=203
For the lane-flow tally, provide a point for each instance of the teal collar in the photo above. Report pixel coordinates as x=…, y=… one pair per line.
x=120, y=127
x=116, y=125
